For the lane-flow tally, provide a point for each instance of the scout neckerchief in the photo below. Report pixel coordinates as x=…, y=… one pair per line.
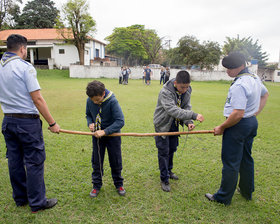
x=243, y=74
x=7, y=57
x=98, y=116
x=179, y=103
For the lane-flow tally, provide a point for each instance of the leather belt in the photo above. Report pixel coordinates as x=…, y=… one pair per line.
x=32, y=116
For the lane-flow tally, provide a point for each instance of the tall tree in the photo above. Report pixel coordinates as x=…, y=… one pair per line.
x=80, y=25
x=37, y=14
x=150, y=41
x=8, y=7
x=250, y=48
x=205, y=55
x=134, y=44
x=122, y=43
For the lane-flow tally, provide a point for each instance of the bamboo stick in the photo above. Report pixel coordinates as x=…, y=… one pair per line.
x=140, y=134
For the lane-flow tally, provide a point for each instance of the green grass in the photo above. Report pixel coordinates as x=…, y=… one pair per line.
x=197, y=163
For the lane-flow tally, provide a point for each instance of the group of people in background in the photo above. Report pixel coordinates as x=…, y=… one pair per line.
x=147, y=75
x=124, y=75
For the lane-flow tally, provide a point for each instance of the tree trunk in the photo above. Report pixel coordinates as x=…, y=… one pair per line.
x=81, y=52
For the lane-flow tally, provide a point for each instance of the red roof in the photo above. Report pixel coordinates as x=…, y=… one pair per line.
x=36, y=34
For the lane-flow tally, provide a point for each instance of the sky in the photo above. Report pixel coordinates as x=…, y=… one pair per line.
x=212, y=20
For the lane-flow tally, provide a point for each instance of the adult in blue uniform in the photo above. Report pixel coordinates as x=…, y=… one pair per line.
x=246, y=98
x=21, y=102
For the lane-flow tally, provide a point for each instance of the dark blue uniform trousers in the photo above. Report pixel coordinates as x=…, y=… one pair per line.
x=113, y=145
x=236, y=158
x=166, y=148
x=26, y=156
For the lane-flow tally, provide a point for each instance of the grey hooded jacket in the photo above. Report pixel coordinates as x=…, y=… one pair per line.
x=167, y=110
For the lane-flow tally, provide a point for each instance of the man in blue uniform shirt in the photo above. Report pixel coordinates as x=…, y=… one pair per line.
x=104, y=117
x=21, y=102
x=246, y=98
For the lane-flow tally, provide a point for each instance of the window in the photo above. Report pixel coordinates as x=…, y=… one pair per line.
x=31, y=43
x=61, y=51
x=278, y=74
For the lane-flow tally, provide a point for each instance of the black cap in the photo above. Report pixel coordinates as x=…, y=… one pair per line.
x=234, y=60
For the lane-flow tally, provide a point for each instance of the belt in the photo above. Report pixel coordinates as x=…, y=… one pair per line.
x=32, y=116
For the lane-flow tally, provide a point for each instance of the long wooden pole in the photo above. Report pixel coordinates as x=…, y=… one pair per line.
x=141, y=134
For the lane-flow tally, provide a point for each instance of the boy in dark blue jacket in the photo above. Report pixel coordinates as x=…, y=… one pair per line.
x=104, y=117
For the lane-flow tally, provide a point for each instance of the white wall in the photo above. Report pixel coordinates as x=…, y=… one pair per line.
x=276, y=76
x=79, y=71
x=70, y=55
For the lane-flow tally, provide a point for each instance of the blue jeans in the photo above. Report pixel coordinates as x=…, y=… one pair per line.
x=26, y=156
x=236, y=158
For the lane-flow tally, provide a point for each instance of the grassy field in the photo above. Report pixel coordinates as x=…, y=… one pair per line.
x=197, y=162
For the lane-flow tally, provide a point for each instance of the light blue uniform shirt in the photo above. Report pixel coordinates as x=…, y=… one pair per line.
x=245, y=94
x=17, y=79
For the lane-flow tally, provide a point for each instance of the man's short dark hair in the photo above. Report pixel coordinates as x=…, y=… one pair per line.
x=183, y=77
x=15, y=41
x=95, y=88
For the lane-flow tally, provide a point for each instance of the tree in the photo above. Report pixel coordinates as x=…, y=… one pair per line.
x=80, y=25
x=134, y=44
x=150, y=41
x=37, y=14
x=7, y=7
x=251, y=49
x=122, y=43
x=212, y=53
x=191, y=52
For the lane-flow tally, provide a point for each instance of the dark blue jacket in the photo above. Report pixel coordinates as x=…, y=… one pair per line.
x=112, y=119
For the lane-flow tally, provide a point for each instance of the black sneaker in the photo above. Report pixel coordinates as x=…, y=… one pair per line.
x=165, y=186
x=121, y=191
x=50, y=203
x=94, y=193
x=173, y=176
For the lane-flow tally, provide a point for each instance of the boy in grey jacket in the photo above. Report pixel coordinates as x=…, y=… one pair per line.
x=173, y=108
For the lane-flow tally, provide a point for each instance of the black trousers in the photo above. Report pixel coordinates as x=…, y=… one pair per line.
x=113, y=145
x=166, y=147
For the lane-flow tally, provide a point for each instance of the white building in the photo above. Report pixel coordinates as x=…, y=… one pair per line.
x=48, y=47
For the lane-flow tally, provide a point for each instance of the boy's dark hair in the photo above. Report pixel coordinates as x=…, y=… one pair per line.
x=95, y=88
x=183, y=77
x=15, y=41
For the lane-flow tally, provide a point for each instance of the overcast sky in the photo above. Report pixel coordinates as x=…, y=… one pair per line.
x=212, y=20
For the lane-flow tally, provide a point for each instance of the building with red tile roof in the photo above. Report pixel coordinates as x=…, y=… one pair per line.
x=48, y=47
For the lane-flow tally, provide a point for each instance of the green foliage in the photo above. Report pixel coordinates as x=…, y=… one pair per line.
x=80, y=24
x=250, y=48
x=190, y=52
x=197, y=163
x=124, y=44
x=9, y=10
x=134, y=44
x=36, y=14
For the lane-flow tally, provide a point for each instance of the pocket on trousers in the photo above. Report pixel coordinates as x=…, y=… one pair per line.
x=35, y=156
x=4, y=128
x=31, y=135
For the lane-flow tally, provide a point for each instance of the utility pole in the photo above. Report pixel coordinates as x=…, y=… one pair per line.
x=167, y=42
